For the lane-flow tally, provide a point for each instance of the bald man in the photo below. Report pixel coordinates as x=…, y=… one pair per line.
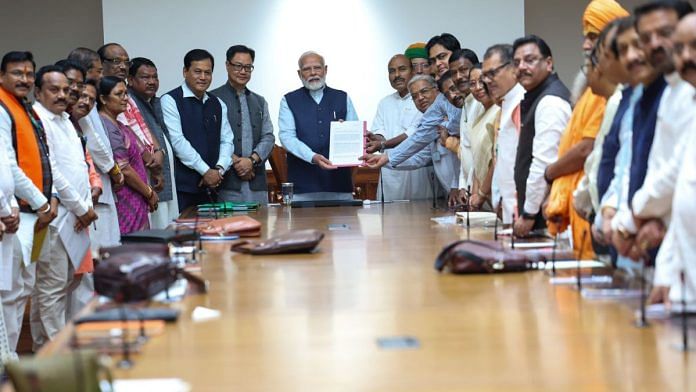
x=304, y=129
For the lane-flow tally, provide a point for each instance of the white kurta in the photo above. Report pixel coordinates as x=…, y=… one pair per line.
x=397, y=115
x=506, y=151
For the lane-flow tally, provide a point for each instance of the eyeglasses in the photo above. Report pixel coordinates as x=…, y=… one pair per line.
x=315, y=68
x=237, y=67
x=530, y=61
x=491, y=74
x=120, y=95
x=420, y=66
x=422, y=92
x=116, y=62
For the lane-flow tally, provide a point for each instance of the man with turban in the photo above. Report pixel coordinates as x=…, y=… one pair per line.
x=418, y=56
x=578, y=140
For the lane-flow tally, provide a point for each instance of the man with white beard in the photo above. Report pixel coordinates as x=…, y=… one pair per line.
x=304, y=129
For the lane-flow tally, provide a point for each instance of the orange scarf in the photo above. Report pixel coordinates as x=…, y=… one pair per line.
x=27, y=147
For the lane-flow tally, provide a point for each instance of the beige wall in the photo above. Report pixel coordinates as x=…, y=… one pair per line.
x=50, y=28
x=559, y=22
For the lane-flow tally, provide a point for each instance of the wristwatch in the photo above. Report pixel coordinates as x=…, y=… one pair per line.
x=529, y=216
x=221, y=170
x=254, y=162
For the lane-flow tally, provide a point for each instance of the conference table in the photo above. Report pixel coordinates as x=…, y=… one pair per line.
x=368, y=312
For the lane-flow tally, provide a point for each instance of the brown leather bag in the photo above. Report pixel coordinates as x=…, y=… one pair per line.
x=293, y=242
x=477, y=257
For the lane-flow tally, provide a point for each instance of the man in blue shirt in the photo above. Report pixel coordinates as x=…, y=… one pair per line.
x=304, y=129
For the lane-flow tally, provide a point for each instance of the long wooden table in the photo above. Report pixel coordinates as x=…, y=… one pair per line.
x=311, y=322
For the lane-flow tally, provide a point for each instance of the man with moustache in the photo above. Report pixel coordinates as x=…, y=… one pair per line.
x=20, y=129
x=199, y=131
x=397, y=117
x=418, y=56
x=440, y=48
x=544, y=114
x=633, y=58
x=676, y=191
x=460, y=63
x=117, y=63
x=445, y=163
x=253, y=130
x=444, y=112
x=55, y=268
x=304, y=129
x=99, y=146
x=662, y=116
x=76, y=79
x=577, y=141
x=501, y=79
x=143, y=83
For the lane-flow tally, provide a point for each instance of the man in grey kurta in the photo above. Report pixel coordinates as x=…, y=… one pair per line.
x=253, y=131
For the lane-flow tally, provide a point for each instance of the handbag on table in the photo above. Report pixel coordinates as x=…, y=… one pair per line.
x=300, y=241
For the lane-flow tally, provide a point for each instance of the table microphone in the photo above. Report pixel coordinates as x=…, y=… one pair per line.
x=495, y=228
x=642, y=322
x=468, y=208
x=685, y=330
x=577, y=265
x=512, y=233
x=553, y=254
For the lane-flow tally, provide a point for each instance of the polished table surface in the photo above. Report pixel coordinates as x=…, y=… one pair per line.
x=311, y=322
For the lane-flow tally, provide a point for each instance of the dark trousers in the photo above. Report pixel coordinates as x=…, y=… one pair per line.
x=187, y=199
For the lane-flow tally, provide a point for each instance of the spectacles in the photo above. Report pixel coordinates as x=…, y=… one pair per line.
x=420, y=66
x=237, y=67
x=422, y=92
x=315, y=68
x=491, y=74
x=120, y=95
x=116, y=62
x=530, y=61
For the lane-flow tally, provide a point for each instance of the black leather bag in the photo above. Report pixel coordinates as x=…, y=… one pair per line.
x=130, y=277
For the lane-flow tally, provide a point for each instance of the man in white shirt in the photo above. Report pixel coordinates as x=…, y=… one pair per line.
x=58, y=261
x=397, y=119
x=501, y=79
x=199, y=131
x=675, y=113
x=544, y=114
x=107, y=233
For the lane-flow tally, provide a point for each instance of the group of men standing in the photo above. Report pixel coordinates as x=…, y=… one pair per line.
x=610, y=167
x=504, y=133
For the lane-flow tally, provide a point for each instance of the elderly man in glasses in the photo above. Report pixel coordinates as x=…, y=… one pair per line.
x=501, y=79
x=253, y=131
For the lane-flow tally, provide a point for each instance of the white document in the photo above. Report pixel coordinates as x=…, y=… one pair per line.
x=347, y=142
x=75, y=243
x=6, y=261
x=152, y=384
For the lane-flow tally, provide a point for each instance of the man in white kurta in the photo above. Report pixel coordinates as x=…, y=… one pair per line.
x=398, y=115
x=60, y=254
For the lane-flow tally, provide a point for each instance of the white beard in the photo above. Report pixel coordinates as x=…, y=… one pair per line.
x=314, y=85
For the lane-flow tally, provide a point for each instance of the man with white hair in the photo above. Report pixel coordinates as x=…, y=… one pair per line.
x=304, y=129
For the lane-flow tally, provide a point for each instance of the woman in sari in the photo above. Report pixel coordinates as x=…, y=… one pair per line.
x=482, y=136
x=136, y=198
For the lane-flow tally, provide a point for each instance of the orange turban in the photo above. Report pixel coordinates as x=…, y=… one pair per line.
x=600, y=12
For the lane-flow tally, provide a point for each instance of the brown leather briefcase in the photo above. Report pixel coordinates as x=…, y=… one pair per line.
x=292, y=242
x=477, y=257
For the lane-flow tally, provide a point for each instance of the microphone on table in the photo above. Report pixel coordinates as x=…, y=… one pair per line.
x=577, y=265
x=685, y=330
